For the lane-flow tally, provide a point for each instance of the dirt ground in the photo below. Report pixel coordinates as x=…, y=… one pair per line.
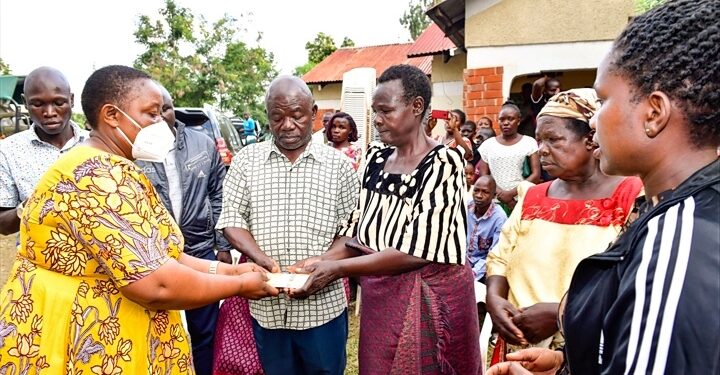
x=7, y=255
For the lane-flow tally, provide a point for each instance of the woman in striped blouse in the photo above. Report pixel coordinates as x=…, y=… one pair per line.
x=406, y=239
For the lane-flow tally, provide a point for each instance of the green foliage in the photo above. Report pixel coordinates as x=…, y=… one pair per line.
x=4, y=68
x=204, y=63
x=302, y=69
x=642, y=6
x=318, y=49
x=79, y=119
x=414, y=18
x=347, y=42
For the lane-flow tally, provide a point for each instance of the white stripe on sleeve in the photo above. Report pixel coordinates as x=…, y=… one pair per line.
x=640, y=280
x=656, y=289
x=676, y=285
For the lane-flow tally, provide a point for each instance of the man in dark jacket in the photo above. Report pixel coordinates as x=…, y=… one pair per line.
x=189, y=183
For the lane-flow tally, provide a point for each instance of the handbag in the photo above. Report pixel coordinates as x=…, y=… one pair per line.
x=526, y=168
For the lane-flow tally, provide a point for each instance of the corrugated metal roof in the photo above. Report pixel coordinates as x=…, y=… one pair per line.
x=431, y=42
x=379, y=57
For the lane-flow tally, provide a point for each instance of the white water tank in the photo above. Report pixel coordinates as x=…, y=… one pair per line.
x=356, y=100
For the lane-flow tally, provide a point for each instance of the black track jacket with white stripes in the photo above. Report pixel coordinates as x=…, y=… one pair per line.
x=650, y=304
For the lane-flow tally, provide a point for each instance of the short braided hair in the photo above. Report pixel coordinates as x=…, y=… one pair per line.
x=674, y=48
x=414, y=82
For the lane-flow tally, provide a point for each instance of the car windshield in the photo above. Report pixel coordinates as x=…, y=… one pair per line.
x=229, y=133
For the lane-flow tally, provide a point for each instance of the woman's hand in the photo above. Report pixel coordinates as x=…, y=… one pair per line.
x=248, y=267
x=501, y=312
x=508, y=368
x=299, y=267
x=505, y=196
x=538, y=321
x=321, y=273
x=267, y=263
x=255, y=286
x=536, y=361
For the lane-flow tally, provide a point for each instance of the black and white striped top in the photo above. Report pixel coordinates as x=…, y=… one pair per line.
x=650, y=304
x=421, y=213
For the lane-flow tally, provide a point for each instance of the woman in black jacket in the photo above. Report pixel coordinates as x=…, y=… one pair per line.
x=650, y=304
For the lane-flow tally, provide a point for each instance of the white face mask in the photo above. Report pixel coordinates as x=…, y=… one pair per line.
x=152, y=143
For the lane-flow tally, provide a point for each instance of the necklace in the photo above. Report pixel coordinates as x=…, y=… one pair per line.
x=100, y=142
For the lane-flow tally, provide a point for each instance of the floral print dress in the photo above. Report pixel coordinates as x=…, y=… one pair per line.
x=354, y=153
x=93, y=225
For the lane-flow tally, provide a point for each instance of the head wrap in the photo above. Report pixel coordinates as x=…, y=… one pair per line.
x=579, y=104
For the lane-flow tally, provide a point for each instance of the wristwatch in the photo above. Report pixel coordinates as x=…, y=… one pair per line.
x=213, y=267
x=19, y=209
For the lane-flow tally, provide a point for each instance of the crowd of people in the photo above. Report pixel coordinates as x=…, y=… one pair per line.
x=595, y=237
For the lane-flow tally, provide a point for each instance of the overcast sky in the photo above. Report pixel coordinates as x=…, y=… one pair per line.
x=79, y=36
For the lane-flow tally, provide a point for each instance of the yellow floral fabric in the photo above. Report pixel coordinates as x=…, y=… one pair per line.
x=93, y=225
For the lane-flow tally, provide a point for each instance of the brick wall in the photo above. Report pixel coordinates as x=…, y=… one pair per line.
x=317, y=124
x=482, y=93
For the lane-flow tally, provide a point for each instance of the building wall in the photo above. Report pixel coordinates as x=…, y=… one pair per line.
x=537, y=58
x=328, y=96
x=513, y=22
x=482, y=95
x=447, y=82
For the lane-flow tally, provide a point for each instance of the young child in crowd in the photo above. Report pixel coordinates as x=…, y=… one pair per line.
x=485, y=220
x=469, y=182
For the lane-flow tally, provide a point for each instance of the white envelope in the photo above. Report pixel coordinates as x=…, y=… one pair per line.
x=287, y=280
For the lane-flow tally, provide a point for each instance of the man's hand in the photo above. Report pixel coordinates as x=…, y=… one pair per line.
x=300, y=266
x=321, y=273
x=224, y=256
x=536, y=361
x=501, y=312
x=255, y=286
x=538, y=321
x=267, y=263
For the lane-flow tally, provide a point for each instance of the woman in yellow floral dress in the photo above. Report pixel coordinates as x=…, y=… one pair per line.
x=99, y=267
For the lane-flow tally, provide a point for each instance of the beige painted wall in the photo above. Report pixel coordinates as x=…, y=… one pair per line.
x=447, y=82
x=512, y=22
x=330, y=91
x=450, y=71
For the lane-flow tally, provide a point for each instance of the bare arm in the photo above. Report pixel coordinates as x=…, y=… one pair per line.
x=174, y=286
x=9, y=220
x=482, y=168
x=536, y=175
x=387, y=262
x=538, y=89
x=202, y=265
x=501, y=311
x=244, y=242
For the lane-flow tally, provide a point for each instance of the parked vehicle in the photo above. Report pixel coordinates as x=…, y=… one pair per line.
x=13, y=116
x=239, y=125
x=216, y=126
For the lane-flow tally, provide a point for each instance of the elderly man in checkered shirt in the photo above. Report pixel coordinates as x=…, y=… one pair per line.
x=284, y=201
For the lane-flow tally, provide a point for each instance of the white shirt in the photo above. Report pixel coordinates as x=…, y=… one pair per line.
x=506, y=162
x=174, y=184
x=24, y=158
